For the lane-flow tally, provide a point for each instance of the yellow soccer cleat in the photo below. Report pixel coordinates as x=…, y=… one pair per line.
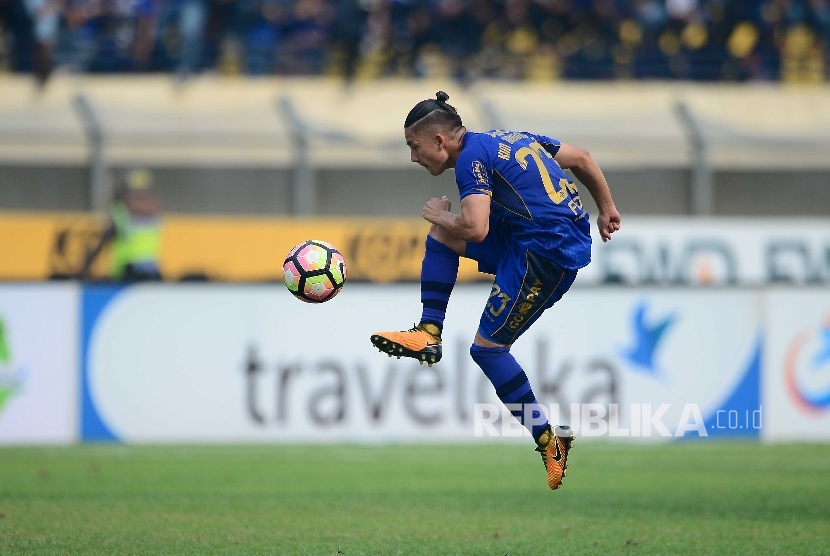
x=554, y=446
x=421, y=342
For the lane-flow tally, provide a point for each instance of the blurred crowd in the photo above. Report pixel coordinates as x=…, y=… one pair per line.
x=465, y=39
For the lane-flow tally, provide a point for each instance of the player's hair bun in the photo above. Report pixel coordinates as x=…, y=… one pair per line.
x=441, y=99
x=443, y=113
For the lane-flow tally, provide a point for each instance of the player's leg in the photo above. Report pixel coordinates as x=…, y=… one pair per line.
x=514, y=390
x=439, y=271
x=524, y=287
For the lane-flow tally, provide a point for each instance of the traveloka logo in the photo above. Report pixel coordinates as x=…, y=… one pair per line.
x=10, y=379
x=807, y=369
x=647, y=335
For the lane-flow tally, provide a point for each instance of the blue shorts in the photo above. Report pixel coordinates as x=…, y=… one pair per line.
x=525, y=285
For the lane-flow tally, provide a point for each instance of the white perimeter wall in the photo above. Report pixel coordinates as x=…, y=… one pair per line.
x=220, y=363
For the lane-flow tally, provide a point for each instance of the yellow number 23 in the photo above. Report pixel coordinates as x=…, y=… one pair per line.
x=536, y=152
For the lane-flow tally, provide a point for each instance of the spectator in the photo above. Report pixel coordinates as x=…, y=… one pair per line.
x=458, y=34
x=308, y=36
x=348, y=29
x=185, y=20
x=45, y=15
x=133, y=230
x=17, y=37
x=110, y=35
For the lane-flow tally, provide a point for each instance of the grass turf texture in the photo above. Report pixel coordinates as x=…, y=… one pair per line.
x=686, y=498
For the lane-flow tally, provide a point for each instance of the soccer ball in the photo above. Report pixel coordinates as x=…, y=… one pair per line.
x=314, y=271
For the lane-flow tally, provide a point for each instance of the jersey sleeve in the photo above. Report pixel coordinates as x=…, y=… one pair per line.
x=549, y=144
x=473, y=172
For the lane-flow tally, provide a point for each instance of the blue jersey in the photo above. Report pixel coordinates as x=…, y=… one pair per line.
x=531, y=195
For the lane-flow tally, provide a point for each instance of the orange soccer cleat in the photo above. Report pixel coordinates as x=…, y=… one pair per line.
x=554, y=446
x=421, y=342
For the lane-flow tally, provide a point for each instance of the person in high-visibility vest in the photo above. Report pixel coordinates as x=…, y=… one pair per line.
x=134, y=231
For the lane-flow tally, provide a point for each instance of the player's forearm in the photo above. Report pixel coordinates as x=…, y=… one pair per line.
x=461, y=226
x=591, y=177
x=585, y=168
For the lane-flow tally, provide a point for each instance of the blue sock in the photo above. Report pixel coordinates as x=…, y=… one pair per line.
x=510, y=381
x=438, y=274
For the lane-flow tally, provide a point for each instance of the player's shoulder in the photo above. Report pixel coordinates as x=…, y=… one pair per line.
x=474, y=140
x=498, y=138
x=482, y=145
x=502, y=135
x=473, y=148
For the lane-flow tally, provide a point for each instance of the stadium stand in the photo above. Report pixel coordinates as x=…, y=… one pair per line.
x=708, y=40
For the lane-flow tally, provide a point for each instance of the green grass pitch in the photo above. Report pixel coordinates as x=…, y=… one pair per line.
x=686, y=498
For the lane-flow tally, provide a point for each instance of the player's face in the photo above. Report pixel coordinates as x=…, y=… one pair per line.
x=427, y=149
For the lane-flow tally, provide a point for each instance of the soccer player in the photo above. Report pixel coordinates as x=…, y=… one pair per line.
x=521, y=219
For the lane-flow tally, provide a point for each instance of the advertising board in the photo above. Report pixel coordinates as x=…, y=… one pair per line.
x=206, y=363
x=703, y=252
x=38, y=363
x=797, y=365
x=651, y=251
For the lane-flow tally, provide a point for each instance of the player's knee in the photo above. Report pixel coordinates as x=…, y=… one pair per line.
x=481, y=354
x=438, y=233
x=481, y=341
x=442, y=239
x=438, y=246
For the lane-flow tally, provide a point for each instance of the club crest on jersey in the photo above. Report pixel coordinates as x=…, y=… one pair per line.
x=480, y=173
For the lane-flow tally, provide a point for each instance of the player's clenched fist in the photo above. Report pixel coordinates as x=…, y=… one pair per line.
x=608, y=222
x=434, y=208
